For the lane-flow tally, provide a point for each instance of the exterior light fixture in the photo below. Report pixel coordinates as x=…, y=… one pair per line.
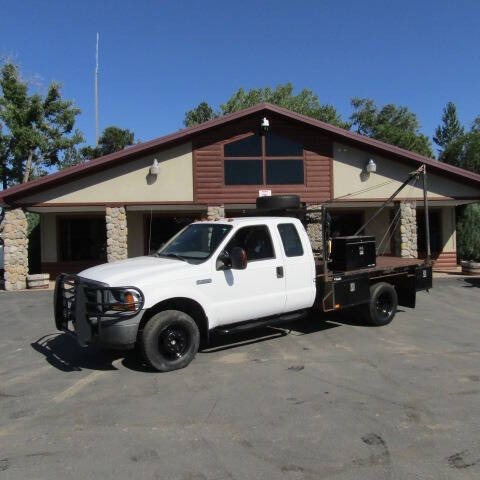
x=371, y=166
x=155, y=168
x=265, y=124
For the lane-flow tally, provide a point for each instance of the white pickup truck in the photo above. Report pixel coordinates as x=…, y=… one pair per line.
x=221, y=275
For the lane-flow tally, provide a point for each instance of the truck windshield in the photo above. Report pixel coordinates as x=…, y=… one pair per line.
x=195, y=243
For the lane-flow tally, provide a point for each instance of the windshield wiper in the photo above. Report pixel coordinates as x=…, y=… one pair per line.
x=171, y=255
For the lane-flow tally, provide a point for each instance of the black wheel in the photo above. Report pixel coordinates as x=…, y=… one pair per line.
x=170, y=340
x=383, y=304
x=278, y=202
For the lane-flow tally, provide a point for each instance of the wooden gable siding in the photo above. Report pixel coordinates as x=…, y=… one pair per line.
x=209, y=185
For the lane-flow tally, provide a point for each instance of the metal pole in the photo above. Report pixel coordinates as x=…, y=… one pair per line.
x=427, y=221
x=96, y=94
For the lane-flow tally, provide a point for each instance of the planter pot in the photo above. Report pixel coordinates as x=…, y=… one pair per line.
x=39, y=280
x=470, y=268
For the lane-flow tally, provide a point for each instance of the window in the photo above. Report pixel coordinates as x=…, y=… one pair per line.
x=264, y=160
x=197, y=241
x=290, y=239
x=83, y=239
x=255, y=241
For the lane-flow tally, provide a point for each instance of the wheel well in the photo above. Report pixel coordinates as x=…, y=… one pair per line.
x=182, y=304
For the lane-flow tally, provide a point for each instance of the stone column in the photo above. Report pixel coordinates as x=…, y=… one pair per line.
x=116, y=223
x=15, y=249
x=215, y=212
x=406, y=231
x=314, y=225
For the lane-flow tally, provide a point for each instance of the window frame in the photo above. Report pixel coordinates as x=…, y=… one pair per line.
x=223, y=249
x=264, y=158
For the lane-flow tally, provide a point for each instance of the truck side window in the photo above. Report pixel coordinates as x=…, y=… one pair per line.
x=290, y=239
x=255, y=241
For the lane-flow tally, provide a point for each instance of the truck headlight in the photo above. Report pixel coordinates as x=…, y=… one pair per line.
x=124, y=300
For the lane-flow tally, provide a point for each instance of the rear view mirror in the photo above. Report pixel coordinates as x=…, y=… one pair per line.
x=238, y=258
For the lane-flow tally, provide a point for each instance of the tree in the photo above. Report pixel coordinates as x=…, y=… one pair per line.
x=35, y=131
x=450, y=130
x=305, y=102
x=468, y=232
x=112, y=140
x=464, y=152
x=391, y=124
x=200, y=114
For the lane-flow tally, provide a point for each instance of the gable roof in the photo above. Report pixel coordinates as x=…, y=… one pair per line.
x=14, y=193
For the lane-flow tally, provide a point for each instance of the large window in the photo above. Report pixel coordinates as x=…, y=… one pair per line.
x=255, y=241
x=82, y=239
x=264, y=160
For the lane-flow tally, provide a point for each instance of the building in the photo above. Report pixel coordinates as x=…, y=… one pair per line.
x=114, y=207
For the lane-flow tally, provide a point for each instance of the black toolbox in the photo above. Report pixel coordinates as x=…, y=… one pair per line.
x=352, y=253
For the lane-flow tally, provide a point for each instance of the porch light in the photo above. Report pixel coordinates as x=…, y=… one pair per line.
x=371, y=166
x=265, y=124
x=155, y=168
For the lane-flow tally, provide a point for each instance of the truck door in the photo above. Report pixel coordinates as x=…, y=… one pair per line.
x=299, y=269
x=259, y=290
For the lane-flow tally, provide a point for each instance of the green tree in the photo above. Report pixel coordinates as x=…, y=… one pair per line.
x=35, y=131
x=450, y=129
x=391, y=124
x=305, y=102
x=464, y=152
x=468, y=232
x=112, y=140
x=203, y=112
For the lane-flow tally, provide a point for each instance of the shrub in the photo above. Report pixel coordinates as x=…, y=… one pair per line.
x=468, y=233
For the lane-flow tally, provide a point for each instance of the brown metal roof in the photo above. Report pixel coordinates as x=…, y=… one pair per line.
x=13, y=194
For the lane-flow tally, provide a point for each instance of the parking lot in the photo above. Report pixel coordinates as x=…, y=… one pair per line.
x=312, y=399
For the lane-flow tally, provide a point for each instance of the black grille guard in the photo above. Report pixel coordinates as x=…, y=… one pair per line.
x=84, y=303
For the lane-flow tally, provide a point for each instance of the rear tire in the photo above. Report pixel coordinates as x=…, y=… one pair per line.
x=170, y=340
x=383, y=304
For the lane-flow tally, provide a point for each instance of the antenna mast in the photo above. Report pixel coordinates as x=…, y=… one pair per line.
x=96, y=94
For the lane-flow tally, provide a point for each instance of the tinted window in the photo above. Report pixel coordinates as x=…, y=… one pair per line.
x=243, y=172
x=277, y=146
x=284, y=172
x=255, y=241
x=246, y=147
x=290, y=239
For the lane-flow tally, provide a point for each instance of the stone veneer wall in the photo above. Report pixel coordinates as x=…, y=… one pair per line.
x=116, y=223
x=215, y=212
x=406, y=232
x=313, y=225
x=15, y=249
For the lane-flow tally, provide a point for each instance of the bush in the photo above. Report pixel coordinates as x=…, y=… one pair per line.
x=468, y=233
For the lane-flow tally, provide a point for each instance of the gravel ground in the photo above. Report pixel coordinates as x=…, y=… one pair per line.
x=310, y=400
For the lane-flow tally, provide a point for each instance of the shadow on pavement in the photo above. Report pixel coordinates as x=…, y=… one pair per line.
x=63, y=352
x=472, y=282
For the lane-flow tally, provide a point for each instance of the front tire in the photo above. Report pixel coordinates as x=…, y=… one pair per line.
x=170, y=340
x=383, y=304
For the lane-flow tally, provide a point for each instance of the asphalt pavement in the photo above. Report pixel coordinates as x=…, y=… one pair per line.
x=318, y=398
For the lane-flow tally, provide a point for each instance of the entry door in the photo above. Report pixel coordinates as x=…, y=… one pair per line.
x=256, y=292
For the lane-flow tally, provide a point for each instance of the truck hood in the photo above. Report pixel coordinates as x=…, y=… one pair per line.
x=133, y=272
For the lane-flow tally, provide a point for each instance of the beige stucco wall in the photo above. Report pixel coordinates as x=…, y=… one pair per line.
x=130, y=182
x=349, y=176
x=378, y=228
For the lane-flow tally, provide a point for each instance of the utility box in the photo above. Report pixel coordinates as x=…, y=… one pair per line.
x=352, y=253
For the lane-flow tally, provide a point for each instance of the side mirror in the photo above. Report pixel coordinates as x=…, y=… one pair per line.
x=239, y=258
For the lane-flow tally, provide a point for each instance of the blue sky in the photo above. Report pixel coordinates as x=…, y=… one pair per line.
x=159, y=59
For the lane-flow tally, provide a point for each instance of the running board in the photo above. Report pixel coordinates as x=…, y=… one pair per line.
x=265, y=322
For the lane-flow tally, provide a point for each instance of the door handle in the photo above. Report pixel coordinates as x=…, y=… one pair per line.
x=279, y=272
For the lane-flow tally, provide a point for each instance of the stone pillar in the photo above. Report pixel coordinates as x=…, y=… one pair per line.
x=215, y=212
x=406, y=231
x=314, y=225
x=116, y=223
x=15, y=249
